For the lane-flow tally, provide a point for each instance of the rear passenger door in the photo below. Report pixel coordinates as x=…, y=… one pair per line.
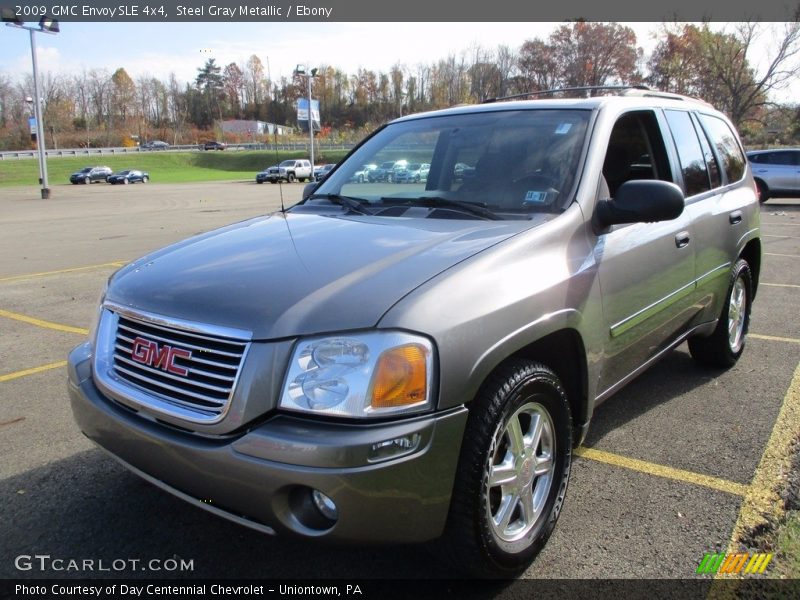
x=724, y=214
x=646, y=270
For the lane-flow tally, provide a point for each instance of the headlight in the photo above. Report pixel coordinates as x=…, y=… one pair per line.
x=98, y=310
x=360, y=375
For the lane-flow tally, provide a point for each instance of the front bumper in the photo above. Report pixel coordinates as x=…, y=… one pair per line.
x=261, y=477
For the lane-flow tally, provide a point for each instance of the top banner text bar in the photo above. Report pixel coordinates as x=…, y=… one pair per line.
x=408, y=10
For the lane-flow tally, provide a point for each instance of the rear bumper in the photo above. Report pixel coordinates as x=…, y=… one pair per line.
x=263, y=477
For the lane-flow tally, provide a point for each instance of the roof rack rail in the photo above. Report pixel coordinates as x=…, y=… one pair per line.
x=669, y=95
x=586, y=88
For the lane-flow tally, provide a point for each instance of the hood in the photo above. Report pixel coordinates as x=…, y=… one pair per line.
x=298, y=274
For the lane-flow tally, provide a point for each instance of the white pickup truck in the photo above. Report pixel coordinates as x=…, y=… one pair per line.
x=288, y=170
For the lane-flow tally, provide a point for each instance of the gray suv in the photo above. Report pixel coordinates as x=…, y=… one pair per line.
x=406, y=363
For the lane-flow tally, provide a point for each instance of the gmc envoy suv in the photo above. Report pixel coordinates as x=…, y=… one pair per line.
x=412, y=362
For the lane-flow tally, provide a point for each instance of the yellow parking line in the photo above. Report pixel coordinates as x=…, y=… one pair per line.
x=115, y=263
x=39, y=323
x=777, y=254
x=715, y=483
x=33, y=371
x=789, y=285
x=763, y=503
x=773, y=338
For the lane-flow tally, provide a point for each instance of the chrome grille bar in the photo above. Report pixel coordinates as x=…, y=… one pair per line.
x=188, y=369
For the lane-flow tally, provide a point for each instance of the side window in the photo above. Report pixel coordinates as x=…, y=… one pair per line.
x=711, y=160
x=635, y=151
x=690, y=153
x=795, y=157
x=727, y=146
x=785, y=157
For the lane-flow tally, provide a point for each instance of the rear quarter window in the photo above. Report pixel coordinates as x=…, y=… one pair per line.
x=727, y=146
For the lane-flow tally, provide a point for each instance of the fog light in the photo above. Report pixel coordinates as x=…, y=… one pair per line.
x=393, y=448
x=325, y=505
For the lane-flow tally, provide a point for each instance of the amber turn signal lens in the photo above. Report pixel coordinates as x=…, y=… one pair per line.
x=400, y=377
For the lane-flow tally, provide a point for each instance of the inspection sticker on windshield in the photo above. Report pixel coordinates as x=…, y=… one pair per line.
x=563, y=128
x=534, y=197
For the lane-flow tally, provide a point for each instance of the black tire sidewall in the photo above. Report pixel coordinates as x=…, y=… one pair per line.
x=740, y=270
x=468, y=539
x=545, y=390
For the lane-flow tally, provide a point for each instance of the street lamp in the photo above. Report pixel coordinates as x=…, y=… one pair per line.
x=46, y=25
x=301, y=71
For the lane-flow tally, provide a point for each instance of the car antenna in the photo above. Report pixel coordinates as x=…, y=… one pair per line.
x=280, y=181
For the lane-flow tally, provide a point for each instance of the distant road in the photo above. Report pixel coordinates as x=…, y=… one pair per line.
x=298, y=146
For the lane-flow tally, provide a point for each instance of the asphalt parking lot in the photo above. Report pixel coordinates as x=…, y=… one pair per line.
x=672, y=466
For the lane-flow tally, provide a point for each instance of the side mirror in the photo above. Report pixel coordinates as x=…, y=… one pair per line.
x=309, y=189
x=641, y=201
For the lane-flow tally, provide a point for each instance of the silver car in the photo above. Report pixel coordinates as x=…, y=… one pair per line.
x=394, y=363
x=777, y=172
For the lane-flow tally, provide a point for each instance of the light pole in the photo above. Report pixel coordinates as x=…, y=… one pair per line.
x=301, y=70
x=46, y=25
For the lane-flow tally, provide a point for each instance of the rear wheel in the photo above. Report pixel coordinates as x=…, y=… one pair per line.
x=513, y=472
x=145, y=179
x=763, y=191
x=724, y=347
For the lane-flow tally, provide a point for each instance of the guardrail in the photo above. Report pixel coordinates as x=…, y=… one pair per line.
x=289, y=147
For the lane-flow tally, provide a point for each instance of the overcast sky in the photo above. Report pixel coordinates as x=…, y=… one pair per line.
x=161, y=48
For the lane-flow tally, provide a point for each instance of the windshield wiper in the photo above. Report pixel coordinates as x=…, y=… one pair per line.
x=439, y=202
x=353, y=204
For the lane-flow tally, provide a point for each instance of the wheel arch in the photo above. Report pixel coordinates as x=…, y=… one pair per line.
x=564, y=352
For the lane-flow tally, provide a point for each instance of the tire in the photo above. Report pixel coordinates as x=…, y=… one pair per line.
x=763, y=191
x=126, y=181
x=145, y=179
x=360, y=179
x=259, y=182
x=726, y=344
x=290, y=178
x=86, y=181
x=272, y=181
x=521, y=398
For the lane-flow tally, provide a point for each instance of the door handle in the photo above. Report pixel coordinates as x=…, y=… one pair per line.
x=735, y=217
x=682, y=239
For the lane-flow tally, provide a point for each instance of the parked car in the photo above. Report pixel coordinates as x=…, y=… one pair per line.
x=154, y=145
x=413, y=173
x=389, y=364
x=129, y=176
x=289, y=171
x=362, y=174
x=321, y=172
x=90, y=175
x=777, y=172
x=214, y=146
x=386, y=170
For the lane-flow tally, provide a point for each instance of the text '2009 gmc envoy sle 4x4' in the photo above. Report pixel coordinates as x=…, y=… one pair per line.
x=406, y=362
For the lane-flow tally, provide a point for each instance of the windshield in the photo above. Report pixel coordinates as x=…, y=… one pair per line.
x=512, y=163
x=287, y=163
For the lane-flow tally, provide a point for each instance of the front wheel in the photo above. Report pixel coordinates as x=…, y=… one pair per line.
x=290, y=179
x=126, y=181
x=724, y=347
x=513, y=471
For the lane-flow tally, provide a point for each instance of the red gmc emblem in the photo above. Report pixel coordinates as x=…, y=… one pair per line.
x=161, y=357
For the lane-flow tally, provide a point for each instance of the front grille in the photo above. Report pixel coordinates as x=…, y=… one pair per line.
x=194, y=371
